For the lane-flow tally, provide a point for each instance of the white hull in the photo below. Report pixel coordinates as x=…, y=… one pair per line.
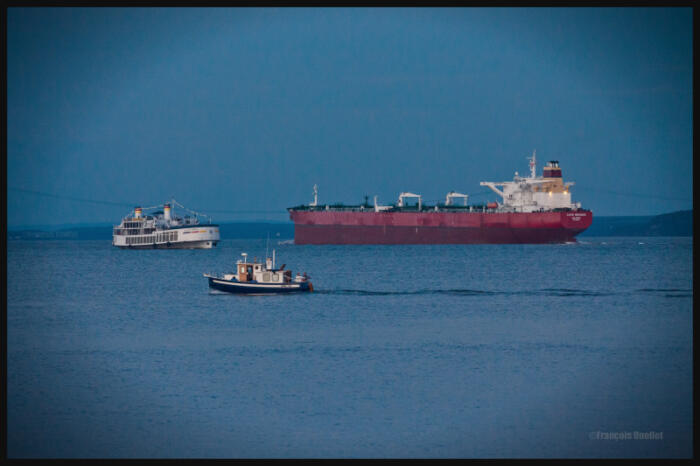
x=196, y=237
x=178, y=245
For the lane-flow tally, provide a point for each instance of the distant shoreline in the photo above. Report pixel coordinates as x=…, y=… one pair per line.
x=672, y=224
x=233, y=230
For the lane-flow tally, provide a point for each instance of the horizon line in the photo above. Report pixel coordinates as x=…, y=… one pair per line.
x=78, y=225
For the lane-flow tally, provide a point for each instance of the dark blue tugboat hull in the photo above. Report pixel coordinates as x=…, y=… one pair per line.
x=256, y=288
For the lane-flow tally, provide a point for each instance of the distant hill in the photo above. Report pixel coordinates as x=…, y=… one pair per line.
x=256, y=230
x=236, y=230
x=673, y=224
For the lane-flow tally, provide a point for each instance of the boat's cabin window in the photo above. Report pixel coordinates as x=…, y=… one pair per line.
x=257, y=267
x=266, y=276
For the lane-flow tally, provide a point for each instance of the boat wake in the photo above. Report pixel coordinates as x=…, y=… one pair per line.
x=668, y=292
x=470, y=292
x=664, y=290
x=400, y=293
x=561, y=292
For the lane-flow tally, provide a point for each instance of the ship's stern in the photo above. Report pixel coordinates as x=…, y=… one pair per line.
x=576, y=221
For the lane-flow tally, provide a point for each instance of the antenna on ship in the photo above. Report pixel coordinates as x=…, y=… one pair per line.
x=315, y=203
x=533, y=170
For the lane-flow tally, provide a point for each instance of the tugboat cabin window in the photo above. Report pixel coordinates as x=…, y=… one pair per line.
x=266, y=276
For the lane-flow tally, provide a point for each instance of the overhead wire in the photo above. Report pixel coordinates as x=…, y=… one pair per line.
x=131, y=204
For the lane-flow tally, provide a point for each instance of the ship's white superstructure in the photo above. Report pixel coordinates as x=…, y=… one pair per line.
x=162, y=229
x=534, y=193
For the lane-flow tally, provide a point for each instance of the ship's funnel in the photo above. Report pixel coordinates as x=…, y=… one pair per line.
x=137, y=212
x=552, y=170
x=166, y=212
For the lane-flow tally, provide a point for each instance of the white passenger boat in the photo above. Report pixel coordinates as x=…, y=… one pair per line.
x=162, y=229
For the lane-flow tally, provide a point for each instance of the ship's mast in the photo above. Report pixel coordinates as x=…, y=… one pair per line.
x=315, y=203
x=533, y=169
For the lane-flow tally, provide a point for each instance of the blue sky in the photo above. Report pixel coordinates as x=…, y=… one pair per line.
x=244, y=109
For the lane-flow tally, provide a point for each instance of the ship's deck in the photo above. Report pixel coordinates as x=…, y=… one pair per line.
x=426, y=209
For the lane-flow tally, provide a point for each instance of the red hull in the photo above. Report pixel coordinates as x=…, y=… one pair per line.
x=354, y=227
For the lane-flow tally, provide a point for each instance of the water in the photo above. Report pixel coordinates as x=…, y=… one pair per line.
x=402, y=351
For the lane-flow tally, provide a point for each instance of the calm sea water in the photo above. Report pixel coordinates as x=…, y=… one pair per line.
x=402, y=351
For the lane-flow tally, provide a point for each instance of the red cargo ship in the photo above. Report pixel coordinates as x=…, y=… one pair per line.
x=533, y=210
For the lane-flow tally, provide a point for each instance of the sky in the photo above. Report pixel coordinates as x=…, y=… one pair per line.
x=238, y=112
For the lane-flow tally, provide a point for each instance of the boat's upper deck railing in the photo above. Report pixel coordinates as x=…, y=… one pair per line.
x=159, y=216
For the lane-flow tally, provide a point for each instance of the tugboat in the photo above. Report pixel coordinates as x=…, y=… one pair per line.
x=258, y=278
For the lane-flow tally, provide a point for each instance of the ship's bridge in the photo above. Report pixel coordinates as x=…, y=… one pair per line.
x=531, y=194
